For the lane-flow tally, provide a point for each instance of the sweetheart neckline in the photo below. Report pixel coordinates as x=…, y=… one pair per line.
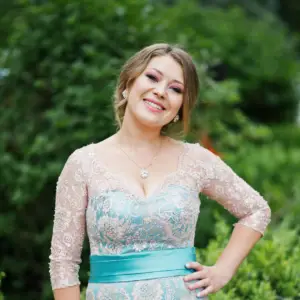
x=124, y=185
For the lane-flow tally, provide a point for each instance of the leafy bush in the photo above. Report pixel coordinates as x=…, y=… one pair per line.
x=2, y=275
x=63, y=59
x=82, y=294
x=256, y=52
x=273, y=170
x=271, y=271
x=270, y=165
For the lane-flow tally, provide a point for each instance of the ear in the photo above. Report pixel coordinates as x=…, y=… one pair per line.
x=125, y=94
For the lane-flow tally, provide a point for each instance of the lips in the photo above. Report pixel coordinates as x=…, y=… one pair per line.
x=155, y=102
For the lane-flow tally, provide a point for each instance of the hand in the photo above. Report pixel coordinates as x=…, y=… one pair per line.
x=211, y=278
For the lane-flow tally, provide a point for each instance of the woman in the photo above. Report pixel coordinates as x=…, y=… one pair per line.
x=137, y=194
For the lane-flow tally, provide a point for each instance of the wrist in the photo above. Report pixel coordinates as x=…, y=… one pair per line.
x=226, y=268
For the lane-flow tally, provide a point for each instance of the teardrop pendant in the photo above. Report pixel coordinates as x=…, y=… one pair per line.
x=144, y=173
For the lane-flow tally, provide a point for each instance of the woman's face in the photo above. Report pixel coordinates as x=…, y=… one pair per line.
x=156, y=96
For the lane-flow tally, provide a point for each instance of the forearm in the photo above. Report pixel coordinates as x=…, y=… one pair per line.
x=240, y=244
x=68, y=293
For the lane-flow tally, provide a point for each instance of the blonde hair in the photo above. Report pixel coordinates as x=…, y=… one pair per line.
x=137, y=64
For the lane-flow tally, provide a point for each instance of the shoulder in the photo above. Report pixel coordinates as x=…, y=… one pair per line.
x=80, y=155
x=83, y=151
x=206, y=165
x=198, y=153
x=87, y=153
x=191, y=149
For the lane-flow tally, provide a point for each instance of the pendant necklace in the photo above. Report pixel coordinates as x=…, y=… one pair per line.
x=144, y=171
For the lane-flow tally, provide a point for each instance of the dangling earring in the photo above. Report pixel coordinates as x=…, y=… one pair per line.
x=176, y=119
x=125, y=94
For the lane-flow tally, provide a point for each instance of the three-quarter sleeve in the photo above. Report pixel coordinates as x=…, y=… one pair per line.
x=69, y=224
x=220, y=183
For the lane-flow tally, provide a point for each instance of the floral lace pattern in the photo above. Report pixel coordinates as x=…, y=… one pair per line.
x=172, y=288
x=117, y=221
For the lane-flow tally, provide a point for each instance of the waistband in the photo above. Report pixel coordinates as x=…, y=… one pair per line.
x=141, y=265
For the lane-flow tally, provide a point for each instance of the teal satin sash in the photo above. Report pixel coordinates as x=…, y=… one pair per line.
x=141, y=265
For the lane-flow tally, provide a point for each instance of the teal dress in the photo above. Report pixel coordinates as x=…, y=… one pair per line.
x=120, y=224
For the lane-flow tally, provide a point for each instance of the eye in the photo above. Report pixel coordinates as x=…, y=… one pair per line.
x=177, y=90
x=152, y=77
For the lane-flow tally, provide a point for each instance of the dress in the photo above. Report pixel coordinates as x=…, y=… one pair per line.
x=90, y=198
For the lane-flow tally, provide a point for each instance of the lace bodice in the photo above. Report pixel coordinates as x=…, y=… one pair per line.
x=90, y=198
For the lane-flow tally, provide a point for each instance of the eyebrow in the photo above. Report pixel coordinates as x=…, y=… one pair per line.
x=161, y=73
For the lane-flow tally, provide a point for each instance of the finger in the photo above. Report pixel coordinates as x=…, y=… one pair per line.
x=200, y=284
x=205, y=292
x=196, y=275
x=194, y=265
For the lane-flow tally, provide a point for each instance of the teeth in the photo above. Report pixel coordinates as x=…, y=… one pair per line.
x=153, y=105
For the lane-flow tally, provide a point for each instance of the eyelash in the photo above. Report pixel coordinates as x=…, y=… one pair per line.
x=177, y=90
x=153, y=78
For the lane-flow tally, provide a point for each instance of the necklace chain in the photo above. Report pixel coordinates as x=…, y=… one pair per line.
x=144, y=172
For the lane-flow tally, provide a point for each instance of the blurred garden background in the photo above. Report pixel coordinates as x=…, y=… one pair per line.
x=59, y=61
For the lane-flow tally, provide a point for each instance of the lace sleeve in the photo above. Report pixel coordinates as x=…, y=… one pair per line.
x=234, y=194
x=69, y=224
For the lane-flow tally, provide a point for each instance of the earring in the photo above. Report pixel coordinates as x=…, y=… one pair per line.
x=125, y=94
x=176, y=119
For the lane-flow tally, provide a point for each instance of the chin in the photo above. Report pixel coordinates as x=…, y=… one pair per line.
x=150, y=121
x=148, y=118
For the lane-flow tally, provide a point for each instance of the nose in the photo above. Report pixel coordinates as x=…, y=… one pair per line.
x=160, y=91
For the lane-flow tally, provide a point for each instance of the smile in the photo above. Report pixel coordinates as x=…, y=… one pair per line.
x=153, y=105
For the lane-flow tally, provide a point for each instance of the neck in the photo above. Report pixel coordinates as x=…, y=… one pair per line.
x=139, y=137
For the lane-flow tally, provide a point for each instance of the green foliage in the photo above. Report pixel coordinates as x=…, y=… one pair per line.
x=271, y=271
x=269, y=160
x=63, y=60
x=82, y=294
x=256, y=52
x=8, y=11
x=2, y=275
x=273, y=170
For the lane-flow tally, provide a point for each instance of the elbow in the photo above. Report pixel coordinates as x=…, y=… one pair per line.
x=268, y=214
x=265, y=218
x=63, y=274
x=265, y=214
x=259, y=219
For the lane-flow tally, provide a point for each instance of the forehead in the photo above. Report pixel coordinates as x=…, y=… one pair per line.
x=168, y=66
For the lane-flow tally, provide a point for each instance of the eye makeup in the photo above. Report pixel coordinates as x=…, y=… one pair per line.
x=177, y=90
x=153, y=77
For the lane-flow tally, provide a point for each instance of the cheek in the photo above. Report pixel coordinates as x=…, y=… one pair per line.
x=140, y=85
x=176, y=102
